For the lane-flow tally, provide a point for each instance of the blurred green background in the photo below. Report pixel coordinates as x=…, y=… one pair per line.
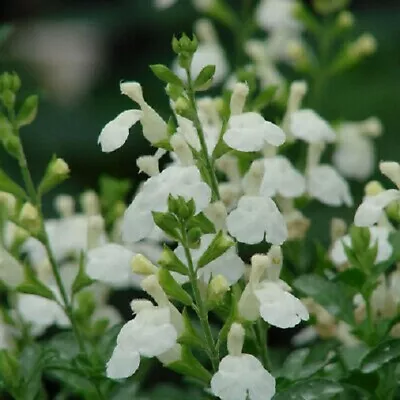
x=74, y=53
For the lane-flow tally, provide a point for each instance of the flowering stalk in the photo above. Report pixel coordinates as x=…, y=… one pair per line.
x=196, y=121
x=200, y=309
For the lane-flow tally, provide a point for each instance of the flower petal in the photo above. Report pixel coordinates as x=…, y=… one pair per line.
x=115, y=133
x=122, y=363
x=370, y=210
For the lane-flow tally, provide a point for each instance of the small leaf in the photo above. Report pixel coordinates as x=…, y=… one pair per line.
x=27, y=112
x=9, y=186
x=163, y=73
x=204, y=79
x=382, y=354
x=172, y=288
x=190, y=337
x=81, y=280
x=168, y=223
x=353, y=277
x=32, y=285
x=202, y=222
x=313, y=389
x=171, y=261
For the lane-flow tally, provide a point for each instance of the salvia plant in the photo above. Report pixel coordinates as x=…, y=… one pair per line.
x=214, y=242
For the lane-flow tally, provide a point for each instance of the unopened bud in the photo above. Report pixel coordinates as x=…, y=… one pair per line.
x=391, y=169
x=182, y=106
x=238, y=98
x=141, y=265
x=65, y=205
x=8, y=202
x=345, y=20
x=365, y=45
x=338, y=229
x=217, y=288
x=29, y=218
x=203, y=5
x=373, y=188
x=90, y=202
x=59, y=167
x=57, y=171
x=298, y=90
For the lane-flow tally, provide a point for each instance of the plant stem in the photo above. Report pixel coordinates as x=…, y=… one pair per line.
x=201, y=309
x=197, y=124
x=262, y=329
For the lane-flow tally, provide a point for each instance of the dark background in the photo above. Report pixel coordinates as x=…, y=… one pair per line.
x=126, y=36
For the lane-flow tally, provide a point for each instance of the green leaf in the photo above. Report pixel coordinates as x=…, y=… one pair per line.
x=313, y=389
x=219, y=245
x=352, y=356
x=330, y=295
x=81, y=280
x=32, y=285
x=27, y=112
x=204, y=79
x=163, y=73
x=202, y=222
x=190, y=366
x=168, y=223
x=382, y=354
x=172, y=288
x=9, y=186
x=190, y=337
x=353, y=277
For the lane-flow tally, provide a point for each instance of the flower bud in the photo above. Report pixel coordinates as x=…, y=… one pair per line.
x=238, y=98
x=217, y=288
x=65, y=205
x=297, y=91
x=8, y=202
x=365, y=45
x=182, y=107
x=27, y=112
x=338, y=229
x=372, y=127
x=141, y=265
x=194, y=236
x=57, y=171
x=345, y=20
x=90, y=202
x=373, y=188
x=391, y=169
x=235, y=339
x=29, y=218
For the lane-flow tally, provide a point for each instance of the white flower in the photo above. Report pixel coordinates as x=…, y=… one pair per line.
x=251, y=132
x=6, y=339
x=326, y=185
x=41, y=312
x=116, y=132
x=175, y=180
x=307, y=125
x=354, y=155
x=241, y=376
x=379, y=236
x=280, y=177
x=274, y=15
x=370, y=210
x=229, y=265
x=111, y=264
x=270, y=298
x=149, y=334
x=256, y=218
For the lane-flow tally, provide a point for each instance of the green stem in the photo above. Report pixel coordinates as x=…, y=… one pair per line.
x=213, y=181
x=262, y=329
x=201, y=309
x=44, y=238
x=370, y=318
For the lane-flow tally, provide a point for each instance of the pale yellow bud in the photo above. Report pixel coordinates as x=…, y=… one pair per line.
x=59, y=167
x=90, y=202
x=29, y=218
x=391, y=169
x=65, y=205
x=338, y=228
x=345, y=20
x=218, y=286
x=373, y=188
x=142, y=265
x=365, y=45
x=238, y=98
x=9, y=202
x=181, y=106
